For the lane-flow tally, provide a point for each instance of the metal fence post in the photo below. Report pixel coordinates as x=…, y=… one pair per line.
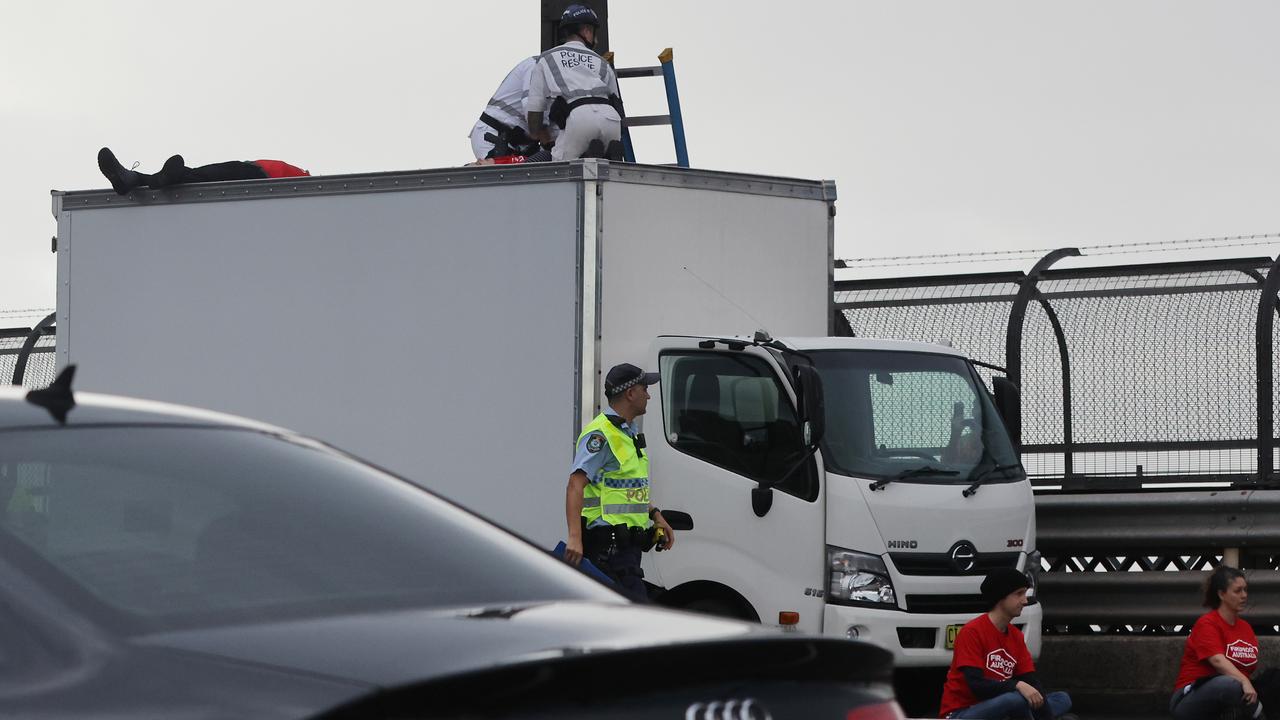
x=1064, y=359
x=1013, y=337
x=1266, y=389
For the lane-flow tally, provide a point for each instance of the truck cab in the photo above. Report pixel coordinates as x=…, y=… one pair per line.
x=867, y=505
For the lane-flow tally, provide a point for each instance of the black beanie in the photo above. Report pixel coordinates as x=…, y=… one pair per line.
x=1000, y=583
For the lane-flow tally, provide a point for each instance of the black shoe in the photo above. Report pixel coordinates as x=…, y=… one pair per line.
x=170, y=174
x=122, y=181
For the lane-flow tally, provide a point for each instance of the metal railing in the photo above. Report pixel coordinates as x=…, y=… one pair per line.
x=27, y=354
x=1132, y=376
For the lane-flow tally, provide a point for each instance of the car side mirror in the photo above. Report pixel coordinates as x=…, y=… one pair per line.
x=813, y=412
x=1008, y=397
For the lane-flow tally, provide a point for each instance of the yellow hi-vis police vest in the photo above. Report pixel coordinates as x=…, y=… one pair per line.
x=622, y=496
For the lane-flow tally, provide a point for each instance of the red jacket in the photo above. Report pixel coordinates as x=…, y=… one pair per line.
x=280, y=169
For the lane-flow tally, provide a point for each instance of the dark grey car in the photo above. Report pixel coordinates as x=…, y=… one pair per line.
x=163, y=562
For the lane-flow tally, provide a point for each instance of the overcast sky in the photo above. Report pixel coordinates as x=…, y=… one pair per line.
x=948, y=126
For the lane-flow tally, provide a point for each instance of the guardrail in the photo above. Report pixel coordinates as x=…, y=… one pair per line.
x=1149, y=599
x=1134, y=562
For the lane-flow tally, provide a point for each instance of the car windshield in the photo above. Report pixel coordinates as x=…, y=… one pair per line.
x=162, y=527
x=913, y=417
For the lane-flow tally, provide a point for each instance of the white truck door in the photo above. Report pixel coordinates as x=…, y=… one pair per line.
x=727, y=421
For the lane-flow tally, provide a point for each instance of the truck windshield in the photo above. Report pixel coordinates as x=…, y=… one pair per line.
x=912, y=417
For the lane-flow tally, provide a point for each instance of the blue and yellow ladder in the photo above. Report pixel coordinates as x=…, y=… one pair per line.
x=667, y=70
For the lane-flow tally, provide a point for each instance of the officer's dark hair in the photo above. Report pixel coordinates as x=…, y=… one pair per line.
x=1218, y=581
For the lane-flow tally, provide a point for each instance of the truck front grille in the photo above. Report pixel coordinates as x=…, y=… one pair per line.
x=941, y=564
x=947, y=604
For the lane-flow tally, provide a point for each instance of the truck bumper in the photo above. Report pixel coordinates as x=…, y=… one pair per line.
x=922, y=642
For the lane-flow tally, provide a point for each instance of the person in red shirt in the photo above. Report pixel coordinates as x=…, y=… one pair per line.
x=992, y=676
x=1220, y=657
x=175, y=172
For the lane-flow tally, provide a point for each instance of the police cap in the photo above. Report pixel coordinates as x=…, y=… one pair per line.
x=626, y=375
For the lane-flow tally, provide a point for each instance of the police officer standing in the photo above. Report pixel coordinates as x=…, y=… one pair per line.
x=578, y=91
x=607, y=502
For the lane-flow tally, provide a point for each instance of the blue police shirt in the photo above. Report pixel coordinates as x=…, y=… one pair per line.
x=594, y=457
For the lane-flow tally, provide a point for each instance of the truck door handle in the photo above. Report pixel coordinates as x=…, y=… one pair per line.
x=678, y=519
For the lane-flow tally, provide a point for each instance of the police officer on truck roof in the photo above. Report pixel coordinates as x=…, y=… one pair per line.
x=578, y=91
x=502, y=130
x=607, y=502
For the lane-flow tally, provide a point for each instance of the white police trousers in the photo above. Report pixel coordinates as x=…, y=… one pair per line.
x=587, y=123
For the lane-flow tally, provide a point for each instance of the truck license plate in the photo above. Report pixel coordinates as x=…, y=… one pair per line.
x=952, y=632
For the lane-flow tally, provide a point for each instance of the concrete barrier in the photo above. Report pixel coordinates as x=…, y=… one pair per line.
x=1121, y=674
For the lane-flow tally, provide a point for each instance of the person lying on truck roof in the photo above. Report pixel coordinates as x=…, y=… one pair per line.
x=175, y=172
x=992, y=675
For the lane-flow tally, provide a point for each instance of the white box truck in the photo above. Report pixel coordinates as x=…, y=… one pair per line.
x=453, y=326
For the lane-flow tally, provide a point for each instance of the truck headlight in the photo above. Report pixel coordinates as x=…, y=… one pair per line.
x=1032, y=571
x=858, y=577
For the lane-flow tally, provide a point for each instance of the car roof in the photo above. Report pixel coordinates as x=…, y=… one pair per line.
x=98, y=409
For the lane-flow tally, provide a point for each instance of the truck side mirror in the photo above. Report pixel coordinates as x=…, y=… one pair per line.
x=813, y=412
x=761, y=500
x=1008, y=398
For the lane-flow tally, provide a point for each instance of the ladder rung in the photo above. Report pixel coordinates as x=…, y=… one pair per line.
x=653, y=71
x=643, y=120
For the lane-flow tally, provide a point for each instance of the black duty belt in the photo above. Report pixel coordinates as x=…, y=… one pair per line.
x=494, y=123
x=560, y=108
x=620, y=535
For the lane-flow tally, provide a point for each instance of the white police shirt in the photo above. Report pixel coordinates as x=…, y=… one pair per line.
x=507, y=104
x=594, y=457
x=571, y=70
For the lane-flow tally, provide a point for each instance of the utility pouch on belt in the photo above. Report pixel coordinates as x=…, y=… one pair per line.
x=559, y=112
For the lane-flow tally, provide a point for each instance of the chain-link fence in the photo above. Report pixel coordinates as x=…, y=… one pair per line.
x=1131, y=376
x=27, y=355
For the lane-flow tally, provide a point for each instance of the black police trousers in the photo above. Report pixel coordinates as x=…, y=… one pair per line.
x=616, y=551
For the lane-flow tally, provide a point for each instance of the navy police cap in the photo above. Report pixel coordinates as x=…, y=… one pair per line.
x=623, y=376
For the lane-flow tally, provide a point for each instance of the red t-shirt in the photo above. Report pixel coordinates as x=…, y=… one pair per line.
x=998, y=655
x=1211, y=635
x=280, y=169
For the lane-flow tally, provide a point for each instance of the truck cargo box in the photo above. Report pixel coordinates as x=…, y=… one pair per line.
x=451, y=325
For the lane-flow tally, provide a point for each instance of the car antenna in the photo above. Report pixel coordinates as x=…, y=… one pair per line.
x=56, y=398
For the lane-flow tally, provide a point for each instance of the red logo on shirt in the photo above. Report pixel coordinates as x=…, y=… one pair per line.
x=1002, y=663
x=1242, y=652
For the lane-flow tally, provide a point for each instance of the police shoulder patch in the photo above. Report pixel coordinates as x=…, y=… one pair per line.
x=595, y=441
